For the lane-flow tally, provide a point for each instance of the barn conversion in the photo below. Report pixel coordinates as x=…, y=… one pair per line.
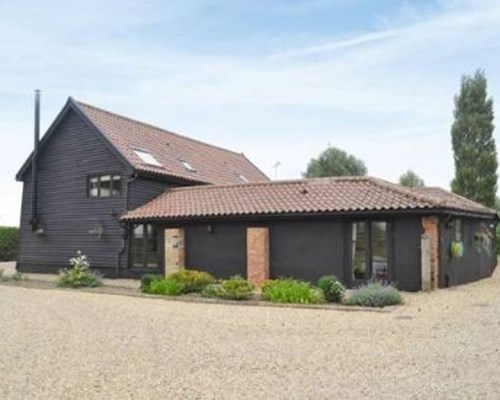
x=136, y=199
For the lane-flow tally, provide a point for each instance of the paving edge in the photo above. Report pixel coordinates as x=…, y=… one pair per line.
x=121, y=291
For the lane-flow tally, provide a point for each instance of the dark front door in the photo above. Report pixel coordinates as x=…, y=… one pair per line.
x=369, y=251
x=144, y=247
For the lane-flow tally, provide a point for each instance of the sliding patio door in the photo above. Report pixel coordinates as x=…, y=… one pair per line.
x=369, y=251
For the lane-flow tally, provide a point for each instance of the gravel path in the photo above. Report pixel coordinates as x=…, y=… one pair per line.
x=68, y=345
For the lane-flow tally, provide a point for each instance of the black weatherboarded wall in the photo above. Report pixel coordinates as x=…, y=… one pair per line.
x=66, y=212
x=307, y=249
x=218, y=248
x=406, y=244
x=302, y=248
x=478, y=260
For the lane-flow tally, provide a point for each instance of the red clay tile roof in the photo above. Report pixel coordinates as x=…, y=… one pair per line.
x=212, y=164
x=320, y=195
x=448, y=199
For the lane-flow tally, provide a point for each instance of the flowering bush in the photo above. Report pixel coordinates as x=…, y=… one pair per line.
x=79, y=275
x=332, y=289
x=374, y=294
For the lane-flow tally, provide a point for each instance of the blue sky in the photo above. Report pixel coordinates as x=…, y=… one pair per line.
x=279, y=80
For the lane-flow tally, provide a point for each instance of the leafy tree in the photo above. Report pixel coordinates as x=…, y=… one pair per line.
x=335, y=162
x=497, y=204
x=411, y=179
x=474, y=149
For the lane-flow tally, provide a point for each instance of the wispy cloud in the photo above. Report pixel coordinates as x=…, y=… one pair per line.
x=459, y=17
x=355, y=41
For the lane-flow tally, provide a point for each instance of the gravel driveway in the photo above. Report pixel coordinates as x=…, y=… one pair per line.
x=58, y=344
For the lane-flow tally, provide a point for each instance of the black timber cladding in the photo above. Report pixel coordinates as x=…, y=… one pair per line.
x=478, y=261
x=218, y=248
x=66, y=213
x=73, y=152
x=304, y=249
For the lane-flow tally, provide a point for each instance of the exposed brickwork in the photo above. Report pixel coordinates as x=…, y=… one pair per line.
x=174, y=250
x=431, y=230
x=257, y=255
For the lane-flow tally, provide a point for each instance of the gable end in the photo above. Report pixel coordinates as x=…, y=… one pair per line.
x=71, y=105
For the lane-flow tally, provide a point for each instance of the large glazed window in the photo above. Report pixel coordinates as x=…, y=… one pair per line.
x=369, y=250
x=144, y=246
x=379, y=250
x=105, y=186
x=359, y=251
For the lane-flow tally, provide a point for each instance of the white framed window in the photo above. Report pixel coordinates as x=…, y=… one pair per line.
x=147, y=157
x=105, y=186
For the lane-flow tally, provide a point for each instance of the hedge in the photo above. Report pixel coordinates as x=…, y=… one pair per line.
x=9, y=240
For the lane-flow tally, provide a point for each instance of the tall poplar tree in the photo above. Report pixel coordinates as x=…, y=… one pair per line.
x=474, y=149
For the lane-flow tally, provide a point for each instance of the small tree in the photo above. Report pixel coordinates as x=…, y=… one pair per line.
x=474, y=149
x=411, y=179
x=335, y=162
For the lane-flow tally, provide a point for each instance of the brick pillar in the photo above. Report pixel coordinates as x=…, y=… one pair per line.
x=257, y=255
x=431, y=237
x=174, y=250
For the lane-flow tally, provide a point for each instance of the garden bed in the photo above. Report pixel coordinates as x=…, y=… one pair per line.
x=191, y=285
x=189, y=298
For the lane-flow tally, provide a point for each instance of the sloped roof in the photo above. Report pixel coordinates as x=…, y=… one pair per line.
x=211, y=164
x=319, y=195
x=448, y=199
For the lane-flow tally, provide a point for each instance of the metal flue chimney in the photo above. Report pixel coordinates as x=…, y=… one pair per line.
x=34, y=165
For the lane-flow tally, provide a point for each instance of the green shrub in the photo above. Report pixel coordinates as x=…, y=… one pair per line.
x=332, y=289
x=291, y=291
x=9, y=242
x=79, y=275
x=374, y=294
x=235, y=288
x=147, y=280
x=193, y=281
x=19, y=276
x=212, y=290
x=166, y=286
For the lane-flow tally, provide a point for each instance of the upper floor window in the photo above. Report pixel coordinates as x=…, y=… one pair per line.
x=188, y=166
x=147, y=157
x=243, y=178
x=105, y=186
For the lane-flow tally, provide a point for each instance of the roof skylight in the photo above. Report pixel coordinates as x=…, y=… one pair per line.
x=147, y=157
x=243, y=178
x=188, y=166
